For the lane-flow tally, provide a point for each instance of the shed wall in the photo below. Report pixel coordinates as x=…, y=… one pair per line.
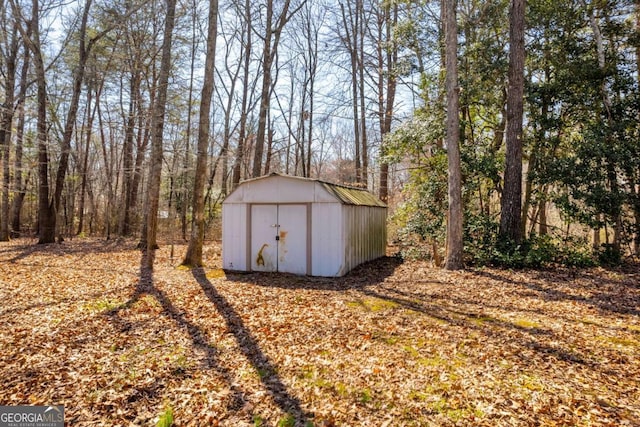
x=364, y=234
x=327, y=253
x=279, y=189
x=234, y=236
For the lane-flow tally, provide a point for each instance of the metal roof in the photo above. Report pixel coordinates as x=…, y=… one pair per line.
x=345, y=194
x=352, y=195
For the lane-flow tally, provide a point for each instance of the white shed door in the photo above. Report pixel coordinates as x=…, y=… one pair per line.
x=279, y=238
x=292, y=239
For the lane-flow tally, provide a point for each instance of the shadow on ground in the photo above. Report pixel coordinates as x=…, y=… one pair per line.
x=365, y=275
x=247, y=343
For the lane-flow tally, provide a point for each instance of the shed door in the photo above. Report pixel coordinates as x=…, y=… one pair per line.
x=279, y=238
x=264, y=250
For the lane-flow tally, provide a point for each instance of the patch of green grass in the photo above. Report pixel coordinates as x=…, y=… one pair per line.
x=166, y=418
x=634, y=328
x=453, y=412
x=527, y=324
x=258, y=421
x=180, y=364
x=531, y=383
x=435, y=361
x=215, y=274
x=287, y=421
x=341, y=389
x=102, y=304
x=481, y=320
x=373, y=304
x=143, y=304
x=366, y=396
x=411, y=350
x=265, y=373
x=620, y=341
x=314, y=377
x=387, y=339
x=419, y=396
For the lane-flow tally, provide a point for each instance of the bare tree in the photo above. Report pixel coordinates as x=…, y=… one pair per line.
x=242, y=133
x=273, y=33
x=194, y=251
x=20, y=184
x=10, y=59
x=157, y=126
x=387, y=53
x=350, y=22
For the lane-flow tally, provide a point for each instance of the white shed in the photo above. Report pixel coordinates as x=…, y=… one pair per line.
x=301, y=226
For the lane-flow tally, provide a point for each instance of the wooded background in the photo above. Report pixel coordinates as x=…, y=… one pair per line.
x=117, y=113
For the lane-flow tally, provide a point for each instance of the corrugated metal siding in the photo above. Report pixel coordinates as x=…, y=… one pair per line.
x=234, y=237
x=364, y=234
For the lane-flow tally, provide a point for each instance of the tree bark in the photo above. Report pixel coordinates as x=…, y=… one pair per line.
x=511, y=202
x=85, y=160
x=271, y=42
x=350, y=23
x=19, y=184
x=193, y=256
x=386, y=86
x=6, y=120
x=454, y=256
x=157, y=126
x=242, y=133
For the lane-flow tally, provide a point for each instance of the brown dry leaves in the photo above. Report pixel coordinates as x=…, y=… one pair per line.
x=390, y=344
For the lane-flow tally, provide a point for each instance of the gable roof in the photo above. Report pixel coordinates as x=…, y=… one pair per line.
x=352, y=196
x=345, y=194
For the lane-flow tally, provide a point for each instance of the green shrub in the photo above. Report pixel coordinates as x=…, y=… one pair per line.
x=609, y=255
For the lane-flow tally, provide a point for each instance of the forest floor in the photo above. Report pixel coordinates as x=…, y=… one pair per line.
x=391, y=344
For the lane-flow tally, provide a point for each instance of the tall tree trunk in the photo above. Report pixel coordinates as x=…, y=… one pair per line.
x=111, y=192
x=271, y=42
x=195, y=34
x=267, y=62
x=636, y=204
x=46, y=210
x=387, y=86
x=454, y=256
x=511, y=202
x=65, y=149
x=194, y=251
x=127, y=151
x=361, y=83
x=350, y=23
x=6, y=121
x=242, y=134
x=19, y=185
x=157, y=127
x=85, y=160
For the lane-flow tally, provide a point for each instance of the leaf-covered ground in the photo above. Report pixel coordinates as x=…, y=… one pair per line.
x=81, y=324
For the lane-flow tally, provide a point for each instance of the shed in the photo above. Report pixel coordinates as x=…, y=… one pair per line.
x=302, y=226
